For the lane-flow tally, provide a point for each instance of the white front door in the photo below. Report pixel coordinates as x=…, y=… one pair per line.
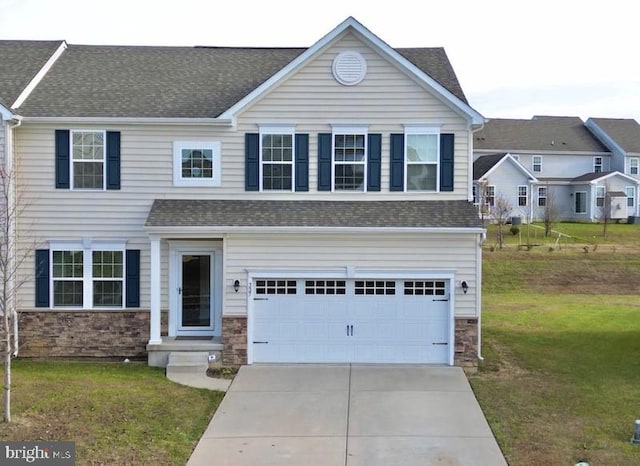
x=195, y=293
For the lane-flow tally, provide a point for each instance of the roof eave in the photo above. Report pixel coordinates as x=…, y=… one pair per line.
x=132, y=121
x=189, y=231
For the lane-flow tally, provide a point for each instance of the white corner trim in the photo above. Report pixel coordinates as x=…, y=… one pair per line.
x=39, y=75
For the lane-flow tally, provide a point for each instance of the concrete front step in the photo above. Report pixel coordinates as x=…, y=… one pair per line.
x=181, y=362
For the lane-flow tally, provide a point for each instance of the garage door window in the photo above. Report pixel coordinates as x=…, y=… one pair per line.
x=424, y=288
x=275, y=287
x=375, y=287
x=324, y=287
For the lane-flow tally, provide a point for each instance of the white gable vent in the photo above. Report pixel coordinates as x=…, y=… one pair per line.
x=349, y=68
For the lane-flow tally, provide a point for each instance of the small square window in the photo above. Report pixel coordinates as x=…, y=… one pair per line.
x=196, y=163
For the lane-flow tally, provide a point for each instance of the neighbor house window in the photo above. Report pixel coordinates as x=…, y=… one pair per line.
x=536, y=162
x=597, y=164
x=542, y=196
x=633, y=166
x=422, y=146
x=490, y=196
x=196, y=163
x=88, y=160
x=630, y=191
x=522, y=196
x=474, y=192
x=581, y=202
x=88, y=278
x=277, y=156
x=349, y=159
x=600, y=195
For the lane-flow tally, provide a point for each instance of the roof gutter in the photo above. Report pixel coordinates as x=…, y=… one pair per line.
x=224, y=122
x=189, y=231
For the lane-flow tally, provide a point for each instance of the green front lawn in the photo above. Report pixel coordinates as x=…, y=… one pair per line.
x=116, y=413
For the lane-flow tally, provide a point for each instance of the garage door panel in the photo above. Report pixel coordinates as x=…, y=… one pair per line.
x=368, y=321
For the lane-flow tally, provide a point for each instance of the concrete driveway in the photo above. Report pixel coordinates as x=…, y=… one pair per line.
x=316, y=415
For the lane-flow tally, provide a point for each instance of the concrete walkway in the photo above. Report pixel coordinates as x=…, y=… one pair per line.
x=348, y=415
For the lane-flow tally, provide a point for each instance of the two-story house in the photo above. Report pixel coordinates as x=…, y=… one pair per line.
x=532, y=164
x=269, y=205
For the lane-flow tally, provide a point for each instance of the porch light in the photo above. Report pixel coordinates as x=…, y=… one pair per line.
x=465, y=287
x=236, y=285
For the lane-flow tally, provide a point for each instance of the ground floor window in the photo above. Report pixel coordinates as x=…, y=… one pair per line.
x=522, y=196
x=581, y=202
x=600, y=194
x=542, y=196
x=630, y=191
x=86, y=277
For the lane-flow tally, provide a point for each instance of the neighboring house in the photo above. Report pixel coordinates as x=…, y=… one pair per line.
x=622, y=138
x=550, y=160
x=271, y=205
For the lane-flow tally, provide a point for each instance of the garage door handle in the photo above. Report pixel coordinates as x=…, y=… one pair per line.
x=260, y=342
x=260, y=299
x=440, y=343
x=441, y=300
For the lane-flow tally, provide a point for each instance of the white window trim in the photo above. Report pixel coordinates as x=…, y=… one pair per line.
x=346, y=130
x=104, y=160
x=289, y=130
x=87, y=247
x=631, y=189
x=637, y=165
x=215, y=146
x=575, y=206
x=595, y=164
x=600, y=190
x=475, y=190
x=533, y=163
x=546, y=195
x=421, y=130
x=526, y=195
x=487, y=196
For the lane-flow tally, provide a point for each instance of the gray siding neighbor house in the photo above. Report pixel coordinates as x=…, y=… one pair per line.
x=559, y=160
x=262, y=205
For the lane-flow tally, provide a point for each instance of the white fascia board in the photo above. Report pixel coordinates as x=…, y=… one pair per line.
x=131, y=121
x=382, y=47
x=179, y=232
x=39, y=75
x=611, y=175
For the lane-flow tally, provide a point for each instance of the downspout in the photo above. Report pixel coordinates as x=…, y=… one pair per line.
x=481, y=239
x=9, y=167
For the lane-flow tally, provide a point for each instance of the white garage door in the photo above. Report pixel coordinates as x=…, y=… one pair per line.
x=365, y=321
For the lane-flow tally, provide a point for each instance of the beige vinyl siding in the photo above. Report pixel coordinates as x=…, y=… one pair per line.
x=310, y=99
x=334, y=251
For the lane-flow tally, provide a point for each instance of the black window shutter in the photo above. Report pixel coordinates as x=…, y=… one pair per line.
x=324, y=162
x=113, y=160
x=62, y=159
x=374, y=162
x=252, y=161
x=132, y=278
x=302, y=162
x=42, y=277
x=397, y=162
x=446, y=162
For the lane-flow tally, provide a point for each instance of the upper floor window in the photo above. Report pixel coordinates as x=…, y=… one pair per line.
x=422, y=148
x=196, y=163
x=542, y=196
x=88, y=159
x=349, y=159
x=474, y=192
x=536, y=162
x=522, y=195
x=600, y=195
x=634, y=163
x=597, y=164
x=630, y=191
x=277, y=151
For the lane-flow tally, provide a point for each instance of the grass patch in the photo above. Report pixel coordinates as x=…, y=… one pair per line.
x=116, y=413
x=561, y=338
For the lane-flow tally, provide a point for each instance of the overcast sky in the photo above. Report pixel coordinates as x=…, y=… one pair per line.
x=514, y=59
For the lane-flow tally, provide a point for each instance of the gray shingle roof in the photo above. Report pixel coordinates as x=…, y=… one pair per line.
x=176, y=82
x=555, y=134
x=591, y=176
x=336, y=214
x=20, y=61
x=485, y=163
x=625, y=132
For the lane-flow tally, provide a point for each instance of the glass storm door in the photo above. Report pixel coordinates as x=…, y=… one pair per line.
x=195, y=293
